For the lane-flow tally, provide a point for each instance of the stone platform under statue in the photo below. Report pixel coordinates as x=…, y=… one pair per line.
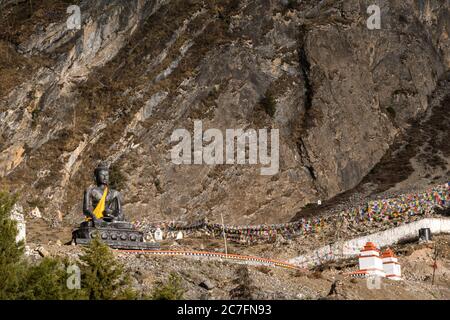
x=117, y=235
x=105, y=220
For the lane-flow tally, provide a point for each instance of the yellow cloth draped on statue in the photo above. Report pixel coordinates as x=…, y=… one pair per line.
x=98, y=211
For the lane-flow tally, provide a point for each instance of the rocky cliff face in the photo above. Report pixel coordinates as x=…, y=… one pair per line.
x=137, y=70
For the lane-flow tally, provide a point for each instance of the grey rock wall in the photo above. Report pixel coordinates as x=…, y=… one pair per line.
x=118, y=88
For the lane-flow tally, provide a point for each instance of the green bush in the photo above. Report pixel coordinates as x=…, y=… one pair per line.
x=268, y=104
x=291, y=4
x=103, y=278
x=20, y=279
x=169, y=290
x=391, y=112
x=35, y=114
x=47, y=281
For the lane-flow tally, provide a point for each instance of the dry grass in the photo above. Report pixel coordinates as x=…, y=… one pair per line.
x=20, y=19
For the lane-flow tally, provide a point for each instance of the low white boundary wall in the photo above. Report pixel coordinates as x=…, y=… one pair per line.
x=351, y=248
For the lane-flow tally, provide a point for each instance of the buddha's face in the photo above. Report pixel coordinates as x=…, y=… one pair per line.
x=102, y=177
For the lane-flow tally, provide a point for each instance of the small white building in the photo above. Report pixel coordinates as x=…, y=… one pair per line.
x=391, y=267
x=370, y=263
x=158, y=234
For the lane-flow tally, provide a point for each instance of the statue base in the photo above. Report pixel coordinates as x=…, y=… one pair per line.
x=117, y=235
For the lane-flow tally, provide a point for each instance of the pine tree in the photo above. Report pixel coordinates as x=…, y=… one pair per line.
x=170, y=290
x=47, y=281
x=12, y=266
x=103, y=278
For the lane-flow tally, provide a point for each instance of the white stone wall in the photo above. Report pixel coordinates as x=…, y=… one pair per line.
x=351, y=248
x=17, y=215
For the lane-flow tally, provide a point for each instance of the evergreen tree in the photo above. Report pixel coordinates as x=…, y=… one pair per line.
x=103, y=278
x=47, y=281
x=170, y=290
x=12, y=266
x=269, y=104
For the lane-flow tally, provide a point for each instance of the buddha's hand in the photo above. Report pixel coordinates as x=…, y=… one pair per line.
x=92, y=216
x=107, y=212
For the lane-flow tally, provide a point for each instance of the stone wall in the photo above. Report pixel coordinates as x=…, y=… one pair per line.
x=137, y=70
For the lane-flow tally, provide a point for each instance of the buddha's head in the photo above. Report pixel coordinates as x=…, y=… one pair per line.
x=101, y=174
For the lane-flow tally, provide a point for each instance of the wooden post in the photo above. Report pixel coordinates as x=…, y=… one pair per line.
x=224, y=236
x=434, y=262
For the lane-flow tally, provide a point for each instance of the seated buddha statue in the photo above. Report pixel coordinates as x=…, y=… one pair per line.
x=101, y=204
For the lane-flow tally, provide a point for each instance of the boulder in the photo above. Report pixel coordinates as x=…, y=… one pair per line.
x=42, y=252
x=206, y=284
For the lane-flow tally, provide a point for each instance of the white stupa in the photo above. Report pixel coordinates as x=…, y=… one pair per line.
x=370, y=263
x=391, y=267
